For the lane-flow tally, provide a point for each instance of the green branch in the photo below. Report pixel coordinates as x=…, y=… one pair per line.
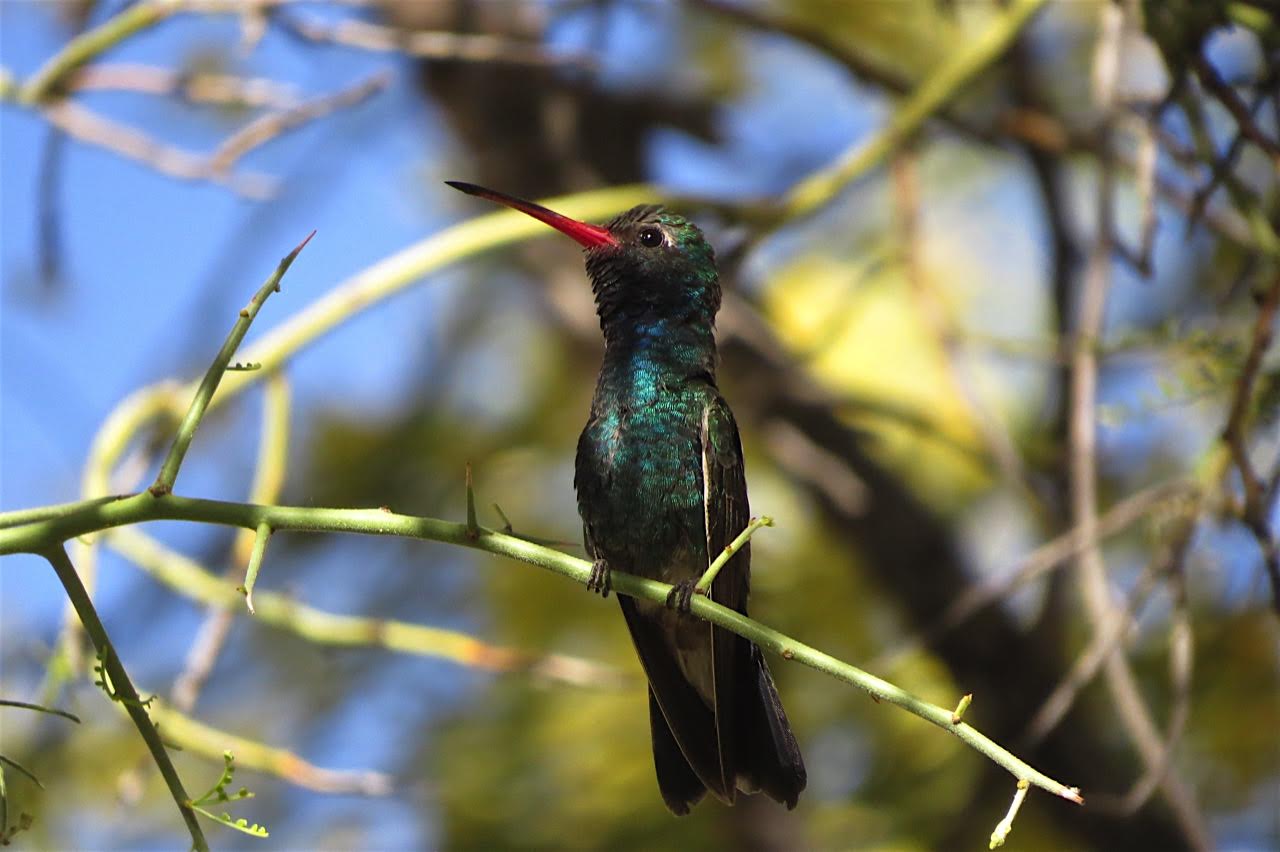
x=187, y=577
x=203, y=395
x=723, y=557
x=91, y=43
x=931, y=96
x=122, y=686
x=143, y=507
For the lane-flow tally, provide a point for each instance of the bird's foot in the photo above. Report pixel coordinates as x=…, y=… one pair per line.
x=680, y=598
x=600, y=581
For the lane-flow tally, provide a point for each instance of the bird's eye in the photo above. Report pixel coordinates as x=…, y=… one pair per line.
x=650, y=237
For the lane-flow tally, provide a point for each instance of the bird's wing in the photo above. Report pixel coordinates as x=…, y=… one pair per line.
x=724, y=500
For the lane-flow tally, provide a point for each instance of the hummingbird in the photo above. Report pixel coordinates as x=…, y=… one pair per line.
x=661, y=490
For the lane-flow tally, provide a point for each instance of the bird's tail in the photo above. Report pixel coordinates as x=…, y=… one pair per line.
x=769, y=758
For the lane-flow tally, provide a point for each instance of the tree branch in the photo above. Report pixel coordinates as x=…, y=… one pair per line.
x=213, y=376
x=122, y=686
x=138, y=508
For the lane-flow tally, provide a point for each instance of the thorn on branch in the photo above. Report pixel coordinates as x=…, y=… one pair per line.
x=506, y=522
x=473, y=527
x=255, y=563
x=958, y=715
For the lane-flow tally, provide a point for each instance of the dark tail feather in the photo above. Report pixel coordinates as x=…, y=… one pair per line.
x=681, y=789
x=768, y=754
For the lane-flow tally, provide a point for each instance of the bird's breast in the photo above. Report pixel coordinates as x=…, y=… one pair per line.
x=639, y=482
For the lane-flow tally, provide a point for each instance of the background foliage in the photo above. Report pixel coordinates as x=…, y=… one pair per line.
x=909, y=361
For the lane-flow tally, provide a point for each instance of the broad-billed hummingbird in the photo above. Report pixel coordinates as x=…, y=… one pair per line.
x=661, y=488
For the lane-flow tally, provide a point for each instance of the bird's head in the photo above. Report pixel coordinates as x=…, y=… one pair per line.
x=645, y=264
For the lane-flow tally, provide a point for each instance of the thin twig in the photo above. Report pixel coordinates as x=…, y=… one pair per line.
x=1103, y=645
x=723, y=557
x=1091, y=572
x=123, y=687
x=197, y=87
x=91, y=128
x=268, y=127
x=1213, y=82
x=1222, y=167
x=1181, y=660
x=456, y=47
x=204, y=393
x=39, y=708
x=1002, y=829
x=1045, y=558
x=998, y=441
x=261, y=537
x=1256, y=497
x=91, y=43
x=935, y=92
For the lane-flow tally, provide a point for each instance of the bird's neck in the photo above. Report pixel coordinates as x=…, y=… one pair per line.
x=643, y=358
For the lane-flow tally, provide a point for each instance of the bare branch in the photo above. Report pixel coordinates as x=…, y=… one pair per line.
x=1212, y=81
x=264, y=129
x=89, y=127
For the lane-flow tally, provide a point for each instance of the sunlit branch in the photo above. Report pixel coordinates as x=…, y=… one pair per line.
x=144, y=507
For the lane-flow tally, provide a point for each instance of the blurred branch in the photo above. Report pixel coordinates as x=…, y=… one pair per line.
x=91, y=128
x=199, y=738
x=1033, y=128
x=197, y=87
x=122, y=687
x=456, y=47
x=999, y=443
x=1181, y=656
x=192, y=580
x=1082, y=433
x=1222, y=167
x=273, y=124
x=1256, y=497
x=52, y=77
x=766, y=20
x=268, y=482
x=132, y=19
x=1240, y=111
x=1101, y=648
x=931, y=95
x=1045, y=558
x=146, y=507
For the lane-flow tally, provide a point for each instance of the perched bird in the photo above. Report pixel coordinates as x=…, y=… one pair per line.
x=661, y=488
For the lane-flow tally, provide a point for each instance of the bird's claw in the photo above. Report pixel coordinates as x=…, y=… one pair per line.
x=680, y=598
x=600, y=581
